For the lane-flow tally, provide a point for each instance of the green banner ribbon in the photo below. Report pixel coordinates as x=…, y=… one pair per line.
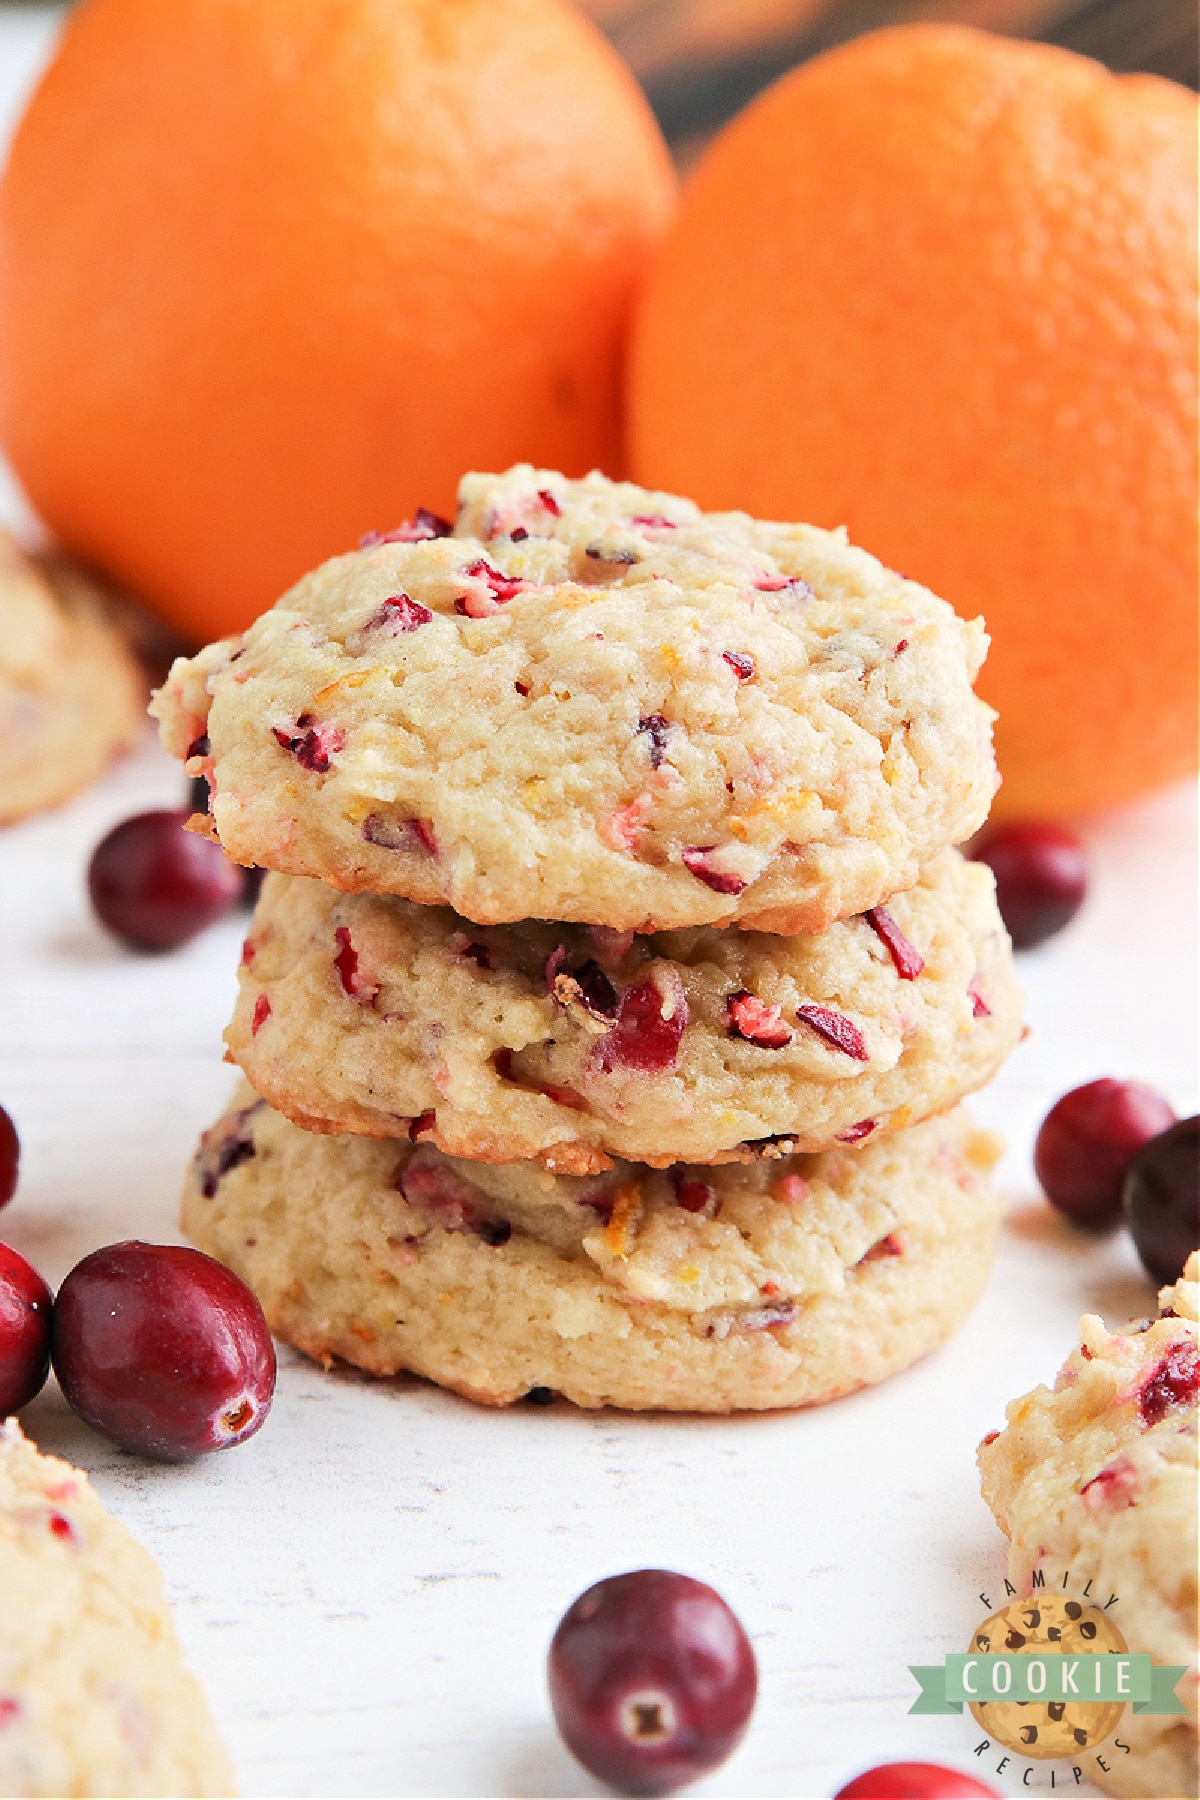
x=1148, y=1687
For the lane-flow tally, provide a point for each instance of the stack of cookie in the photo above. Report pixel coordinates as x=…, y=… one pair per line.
x=607, y=1011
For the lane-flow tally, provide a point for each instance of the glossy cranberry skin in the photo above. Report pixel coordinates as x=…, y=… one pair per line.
x=1162, y=1200
x=10, y=1157
x=163, y=1350
x=1041, y=878
x=915, y=1781
x=1088, y=1140
x=156, y=886
x=652, y=1680
x=25, y=1308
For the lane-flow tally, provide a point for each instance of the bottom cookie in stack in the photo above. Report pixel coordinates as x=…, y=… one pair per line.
x=778, y=1284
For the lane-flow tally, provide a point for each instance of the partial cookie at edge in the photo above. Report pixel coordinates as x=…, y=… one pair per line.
x=94, y=1693
x=1098, y=1476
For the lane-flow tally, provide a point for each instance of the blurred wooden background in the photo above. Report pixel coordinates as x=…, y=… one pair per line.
x=701, y=60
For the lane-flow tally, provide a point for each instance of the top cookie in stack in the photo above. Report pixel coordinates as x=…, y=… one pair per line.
x=591, y=703
x=607, y=836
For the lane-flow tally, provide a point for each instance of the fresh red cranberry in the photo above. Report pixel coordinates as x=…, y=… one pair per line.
x=157, y=886
x=25, y=1306
x=1087, y=1142
x=10, y=1156
x=162, y=1350
x=652, y=1680
x=642, y=1037
x=915, y=1781
x=1041, y=878
x=1162, y=1200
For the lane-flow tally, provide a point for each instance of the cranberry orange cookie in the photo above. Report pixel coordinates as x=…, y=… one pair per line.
x=94, y=1695
x=592, y=703
x=71, y=691
x=1098, y=1477
x=691, y=1288
x=578, y=1044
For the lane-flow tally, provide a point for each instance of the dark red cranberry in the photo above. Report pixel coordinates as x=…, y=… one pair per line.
x=652, y=1680
x=698, y=862
x=642, y=1038
x=1162, y=1200
x=1172, y=1384
x=24, y=1331
x=836, y=1029
x=1041, y=878
x=10, y=1157
x=1087, y=1141
x=658, y=731
x=915, y=1781
x=156, y=886
x=313, y=746
x=905, y=955
x=162, y=1350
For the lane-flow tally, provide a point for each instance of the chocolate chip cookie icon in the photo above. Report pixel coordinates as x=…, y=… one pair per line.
x=1048, y=1625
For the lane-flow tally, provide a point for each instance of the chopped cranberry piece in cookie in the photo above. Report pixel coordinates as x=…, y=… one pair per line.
x=416, y=530
x=653, y=522
x=346, y=962
x=658, y=730
x=647, y=1032
x=399, y=834
x=549, y=502
x=779, y=584
x=741, y=664
x=1172, y=1383
x=854, y=1134
x=587, y=987
x=836, y=1029
x=436, y=1188
x=493, y=591
x=907, y=958
x=698, y=861
x=1113, y=1489
x=758, y=1023
x=691, y=1193
x=398, y=613
x=262, y=1012
x=313, y=746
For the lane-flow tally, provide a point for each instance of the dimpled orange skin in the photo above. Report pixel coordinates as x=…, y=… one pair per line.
x=275, y=272
x=939, y=287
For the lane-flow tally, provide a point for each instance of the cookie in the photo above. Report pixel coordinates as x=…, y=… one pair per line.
x=94, y=1695
x=575, y=1045
x=596, y=704
x=72, y=693
x=1098, y=1477
x=687, y=1289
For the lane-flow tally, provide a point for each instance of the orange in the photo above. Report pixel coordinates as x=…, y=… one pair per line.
x=940, y=287
x=276, y=272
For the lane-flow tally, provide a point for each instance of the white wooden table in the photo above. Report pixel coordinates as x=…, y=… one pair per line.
x=367, y=1588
